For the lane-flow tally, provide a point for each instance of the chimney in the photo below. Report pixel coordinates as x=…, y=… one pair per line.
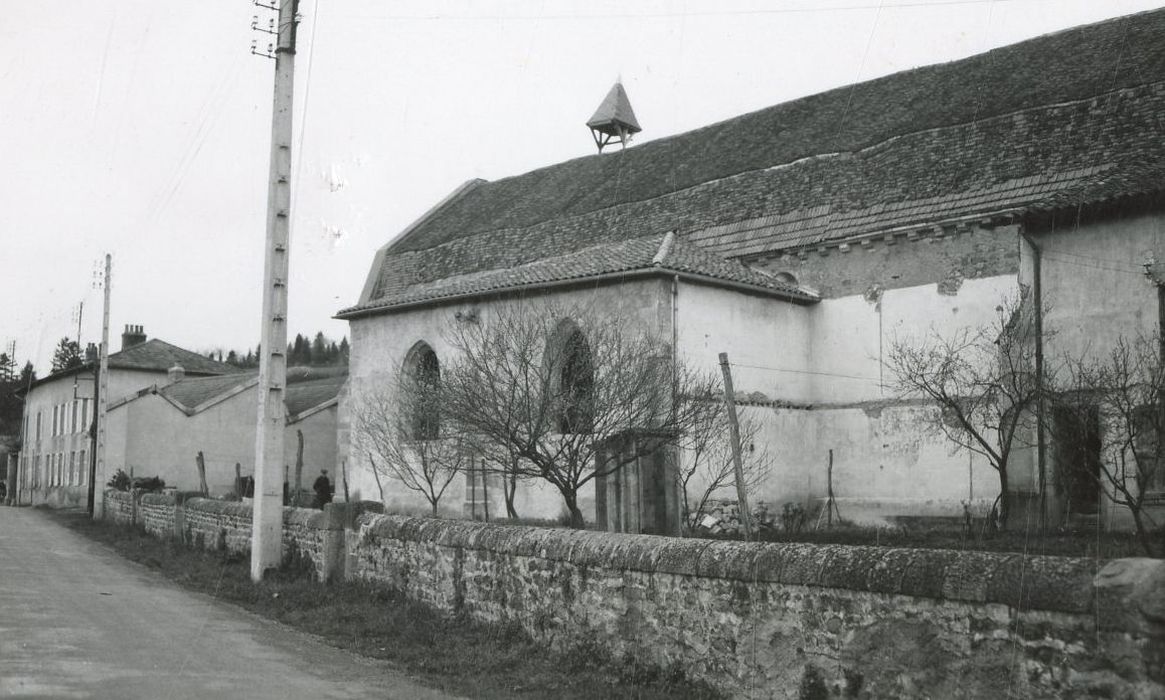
x=175, y=374
x=91, y=352
x=133, y=335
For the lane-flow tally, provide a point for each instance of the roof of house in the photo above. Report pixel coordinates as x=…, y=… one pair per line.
x=662, y=254
x=307, y=388
x=152, y=356
x=1071, y=117
x=191, y=393
x=159, y=355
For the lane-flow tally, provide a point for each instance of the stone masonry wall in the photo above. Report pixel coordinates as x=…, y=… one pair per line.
x=119, y=507
x=221, y=525
x=755, y=619
x=156, y=513
x=316, y=536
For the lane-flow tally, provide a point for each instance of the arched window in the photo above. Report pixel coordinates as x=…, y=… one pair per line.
x=572, y=378
x=422, y=372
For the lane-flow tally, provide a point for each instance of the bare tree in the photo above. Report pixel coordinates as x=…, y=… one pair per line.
x=1112, y=416
x=550, y=387
x=400, y=431
x=983, y=381
x=706, y=463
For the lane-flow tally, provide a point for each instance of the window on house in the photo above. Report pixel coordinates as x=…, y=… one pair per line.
x=38, y=425
x=73, y=416
x=1148, y=423
x=1077, y=451
x=56, y=411
x=84, y=415
x=572, y=377
x=423, y=369
x=83, y=468
x=72, y=468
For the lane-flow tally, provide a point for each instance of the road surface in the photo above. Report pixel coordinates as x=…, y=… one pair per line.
x=78, y=621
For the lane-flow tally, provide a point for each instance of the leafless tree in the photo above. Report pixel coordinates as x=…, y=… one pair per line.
x=1117, y=402
x=400, y=431
x=706, y=463
x=548, y=387
x=982, y=380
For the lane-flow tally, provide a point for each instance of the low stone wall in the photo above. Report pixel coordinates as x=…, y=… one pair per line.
x=316, y=536
x=219, y=525
x=761, y=620
x=119, y=507
x=156, y=513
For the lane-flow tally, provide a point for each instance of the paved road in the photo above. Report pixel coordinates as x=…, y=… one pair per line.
x=78, y=621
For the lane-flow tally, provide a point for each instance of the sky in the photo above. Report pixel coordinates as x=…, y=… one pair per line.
x=141, y=129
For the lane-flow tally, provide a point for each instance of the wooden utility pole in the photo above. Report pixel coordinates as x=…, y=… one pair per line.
x=734, y=428
x=267, y=520
x=97, y=505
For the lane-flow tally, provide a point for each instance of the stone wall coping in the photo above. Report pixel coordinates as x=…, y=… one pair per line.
x=212, y=505
x=305, y=517
x=1063, y=584
x=115, y=495
x=157, y=499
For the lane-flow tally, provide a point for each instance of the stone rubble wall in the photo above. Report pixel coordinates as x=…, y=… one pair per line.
x=315, y=536
x=156, y=513
x=761, y=620
x=119, y=507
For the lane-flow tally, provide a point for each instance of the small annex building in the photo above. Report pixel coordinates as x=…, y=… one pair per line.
x=803, y=238
x=161, y=430
x=59, y=412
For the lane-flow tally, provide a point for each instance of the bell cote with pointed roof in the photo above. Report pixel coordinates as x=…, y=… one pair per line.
x=614, y=120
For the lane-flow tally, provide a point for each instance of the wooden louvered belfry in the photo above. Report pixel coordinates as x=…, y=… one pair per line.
x=614, y=120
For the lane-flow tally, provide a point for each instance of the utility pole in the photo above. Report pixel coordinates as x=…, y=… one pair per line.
x=267, y=520
x=97, y=505
x=734, y=430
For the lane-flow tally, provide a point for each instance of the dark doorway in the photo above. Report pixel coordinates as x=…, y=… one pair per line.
x=1077, y=434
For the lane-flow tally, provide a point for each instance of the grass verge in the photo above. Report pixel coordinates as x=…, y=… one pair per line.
x=453, y=654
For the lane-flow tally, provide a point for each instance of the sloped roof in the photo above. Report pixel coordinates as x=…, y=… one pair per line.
x=191, y=393
x=305, y=395
x=659, y=254
x=1067, y=116
x=159, y=355
x=151, y=356
x=305, y=389
x=615, y=109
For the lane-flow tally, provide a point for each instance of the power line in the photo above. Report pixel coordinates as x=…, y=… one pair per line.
x=806, y=371
x=709, y=13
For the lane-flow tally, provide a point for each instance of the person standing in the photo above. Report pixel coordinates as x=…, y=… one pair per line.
x=323, y=489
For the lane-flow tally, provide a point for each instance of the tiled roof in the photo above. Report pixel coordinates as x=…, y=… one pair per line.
x=663, y=253
x=305, y=395
x=159, y=355
x=305, y=390
x=1060, y=118
x=191, y=393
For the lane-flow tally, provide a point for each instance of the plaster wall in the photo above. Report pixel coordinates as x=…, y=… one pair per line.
x=767, y=340
x=319, y=448
x=158, y=439
x=852, y=334
x=380, y=344
x=1096, y=291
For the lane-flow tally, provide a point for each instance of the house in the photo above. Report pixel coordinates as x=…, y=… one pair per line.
x=161, y=430
x=802, y=239
x=56, y=457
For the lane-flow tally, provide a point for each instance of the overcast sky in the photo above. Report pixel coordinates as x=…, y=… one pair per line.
x=141, y=128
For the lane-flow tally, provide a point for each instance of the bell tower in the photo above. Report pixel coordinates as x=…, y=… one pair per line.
x=614, y=120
